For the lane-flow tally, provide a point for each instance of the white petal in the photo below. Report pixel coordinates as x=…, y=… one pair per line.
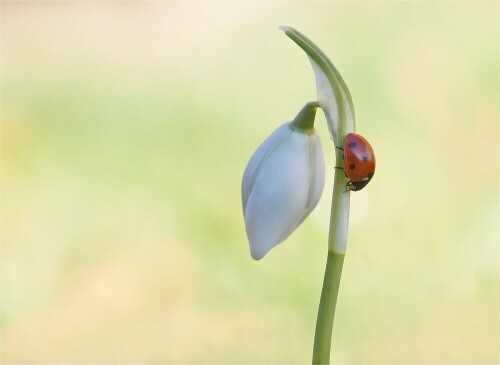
x=279, y=195
x=316, y=174
x=268, y=146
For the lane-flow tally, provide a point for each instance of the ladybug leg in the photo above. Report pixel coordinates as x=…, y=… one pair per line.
x=340, y=148
x=341, y=168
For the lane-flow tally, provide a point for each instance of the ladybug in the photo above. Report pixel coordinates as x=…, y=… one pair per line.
x=359, y=161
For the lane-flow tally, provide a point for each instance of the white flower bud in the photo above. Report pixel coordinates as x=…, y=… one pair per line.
x=282, y=183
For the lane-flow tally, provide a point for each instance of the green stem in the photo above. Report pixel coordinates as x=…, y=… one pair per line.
x=304, y=121
x=339, y=113
x=333, y=272
x=326, y=312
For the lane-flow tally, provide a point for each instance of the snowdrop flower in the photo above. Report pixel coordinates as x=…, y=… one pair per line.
x=282, y=182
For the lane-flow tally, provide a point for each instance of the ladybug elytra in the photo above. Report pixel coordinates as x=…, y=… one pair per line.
x=359, y=161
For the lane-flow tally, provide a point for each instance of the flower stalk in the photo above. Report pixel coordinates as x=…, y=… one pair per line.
x=335, y=100
x=304, y=121
x=326, y=311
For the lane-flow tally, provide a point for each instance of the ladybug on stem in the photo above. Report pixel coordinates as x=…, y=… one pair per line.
x=359, y=161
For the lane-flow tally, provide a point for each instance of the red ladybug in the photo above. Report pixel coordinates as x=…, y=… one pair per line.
x=359, y=161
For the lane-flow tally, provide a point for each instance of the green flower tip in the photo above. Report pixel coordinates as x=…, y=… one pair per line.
x=304, y=121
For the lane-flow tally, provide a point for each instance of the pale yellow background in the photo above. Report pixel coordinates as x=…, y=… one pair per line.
x=126, y=128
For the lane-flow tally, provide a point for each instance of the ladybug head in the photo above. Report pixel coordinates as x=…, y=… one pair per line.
x=357, y=185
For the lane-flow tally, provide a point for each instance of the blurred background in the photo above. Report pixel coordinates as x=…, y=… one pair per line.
x=126, y=128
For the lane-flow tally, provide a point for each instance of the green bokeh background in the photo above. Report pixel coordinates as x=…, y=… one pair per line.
x=126, y=128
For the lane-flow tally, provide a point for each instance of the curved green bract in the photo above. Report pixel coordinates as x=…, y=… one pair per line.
x=341, y=93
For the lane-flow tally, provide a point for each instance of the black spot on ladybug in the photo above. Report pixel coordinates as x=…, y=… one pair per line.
x=352, y=166
x=351, y=145
x=370, y=175
x=365, y=158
